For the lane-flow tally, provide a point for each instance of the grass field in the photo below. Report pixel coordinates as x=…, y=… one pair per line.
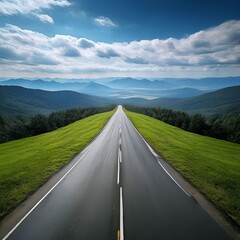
x=26, y=163
x=210, y=164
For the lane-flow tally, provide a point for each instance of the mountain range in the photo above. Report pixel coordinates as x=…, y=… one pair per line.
x=16, y=100
x=223, y=101
x=176, y=83
x=132, y=83
x=132, y=88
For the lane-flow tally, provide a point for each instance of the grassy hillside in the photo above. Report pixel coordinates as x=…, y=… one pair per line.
x=224, y=101
x=210, y=164
x=26, y=163
x=22, y=101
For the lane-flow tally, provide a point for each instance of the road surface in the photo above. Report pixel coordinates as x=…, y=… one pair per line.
x=116, y=189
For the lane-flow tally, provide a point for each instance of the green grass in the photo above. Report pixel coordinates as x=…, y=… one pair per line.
x=210, y=164
x=27, y=163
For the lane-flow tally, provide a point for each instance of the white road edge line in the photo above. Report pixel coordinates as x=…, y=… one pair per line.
x=17, y=225
x=121, y=216
x=173, y=179
x=156, y=155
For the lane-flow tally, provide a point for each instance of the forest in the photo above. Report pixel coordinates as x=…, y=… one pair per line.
x=21, y=127
x=225, y=127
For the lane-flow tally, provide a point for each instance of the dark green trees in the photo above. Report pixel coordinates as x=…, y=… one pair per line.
x=222, y=127
x=19, y=127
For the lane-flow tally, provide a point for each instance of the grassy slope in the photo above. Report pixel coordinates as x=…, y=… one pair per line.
x=26, y=163
x=210, y=164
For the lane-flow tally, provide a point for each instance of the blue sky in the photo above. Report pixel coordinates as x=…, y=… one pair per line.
x=108, y=38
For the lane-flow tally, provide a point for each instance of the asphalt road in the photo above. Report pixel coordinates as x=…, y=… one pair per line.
x=115, y=189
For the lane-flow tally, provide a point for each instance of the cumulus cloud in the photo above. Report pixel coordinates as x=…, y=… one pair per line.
x=39, y=58
x=26, y=47
x=208, y=50
x=136, y=60
x=71, y=52
x=9, y=53
x=105, y=22
x=109, y=53
x=44, y=18
x=31, y=8
x=85, y=43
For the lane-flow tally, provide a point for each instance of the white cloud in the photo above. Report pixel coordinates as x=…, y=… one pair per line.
x=85, y=43
x=212, y=51
x=31, y=8
x=105, y=22
x=108, y=53
x=44, y=18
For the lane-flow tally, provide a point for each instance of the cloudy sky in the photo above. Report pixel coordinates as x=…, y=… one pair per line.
x=116, y=38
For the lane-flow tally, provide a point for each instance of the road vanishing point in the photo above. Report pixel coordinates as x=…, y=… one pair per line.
x=115, y=189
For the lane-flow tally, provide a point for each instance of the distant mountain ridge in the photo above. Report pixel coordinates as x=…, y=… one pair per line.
x=223, y=101
x=139, y=84
x=130, y=87
x=16, y=100
x=90, y=88
x=213, y=83
x=94, y=88
x=43, y=85
x=173, y=83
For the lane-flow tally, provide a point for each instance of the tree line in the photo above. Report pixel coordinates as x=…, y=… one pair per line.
x=222, y=127
x=21, y=127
